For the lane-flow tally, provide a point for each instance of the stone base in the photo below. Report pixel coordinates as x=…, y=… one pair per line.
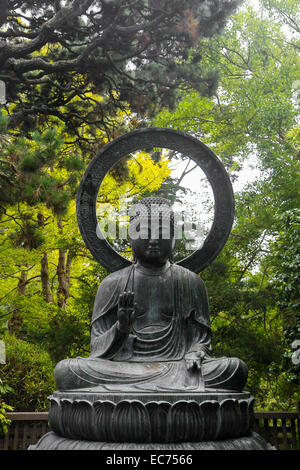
x=151, y=417
x=52, y=441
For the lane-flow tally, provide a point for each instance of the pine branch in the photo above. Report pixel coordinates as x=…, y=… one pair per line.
x=44, y=33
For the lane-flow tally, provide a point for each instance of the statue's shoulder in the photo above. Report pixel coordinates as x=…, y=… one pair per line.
x=190, y=278
x=180, y=271
x=116, y=277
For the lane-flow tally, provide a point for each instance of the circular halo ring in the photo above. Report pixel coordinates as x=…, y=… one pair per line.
x=145, y=139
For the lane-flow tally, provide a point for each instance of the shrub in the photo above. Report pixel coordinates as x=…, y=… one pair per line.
x=4, y=421
x=29, y=372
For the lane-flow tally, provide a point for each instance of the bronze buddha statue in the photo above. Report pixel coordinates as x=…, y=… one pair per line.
x=150, y=328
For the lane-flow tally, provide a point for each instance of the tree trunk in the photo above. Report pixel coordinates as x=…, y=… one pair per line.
x=45, y=279
x=68, y=267
x=63, y=288
x=15, y=321
x=63, y=274
x=44, y=267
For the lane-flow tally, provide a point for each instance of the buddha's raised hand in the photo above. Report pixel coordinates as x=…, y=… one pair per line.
x=126, y=311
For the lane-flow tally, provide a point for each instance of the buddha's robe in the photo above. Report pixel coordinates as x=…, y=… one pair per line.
x=171, y=324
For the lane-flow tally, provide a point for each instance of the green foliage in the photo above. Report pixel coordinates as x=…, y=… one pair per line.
x=61, y=332
x=73, y=163
x=4, y=408
x=291, y=336
x=286, y=261
x=4, y=421
x=3, y=123
x=134, y=53
x=28, y=235
x=34, y=170
x=29, y=372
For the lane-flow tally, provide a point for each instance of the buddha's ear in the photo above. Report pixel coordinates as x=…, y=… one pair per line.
x=134, y=259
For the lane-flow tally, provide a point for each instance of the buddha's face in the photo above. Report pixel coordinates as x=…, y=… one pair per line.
x=153, y=247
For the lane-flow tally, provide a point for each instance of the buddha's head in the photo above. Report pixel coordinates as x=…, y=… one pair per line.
x=151, y=231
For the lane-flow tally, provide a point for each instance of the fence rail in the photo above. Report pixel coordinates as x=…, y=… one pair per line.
x=279, y=428
x=25, y=429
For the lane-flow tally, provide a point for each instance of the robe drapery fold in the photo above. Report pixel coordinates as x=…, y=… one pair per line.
x=175, y=332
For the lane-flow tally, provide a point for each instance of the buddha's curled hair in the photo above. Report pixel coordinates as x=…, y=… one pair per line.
x=149, y=207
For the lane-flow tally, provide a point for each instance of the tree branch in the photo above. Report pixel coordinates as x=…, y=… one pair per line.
x=65, y=14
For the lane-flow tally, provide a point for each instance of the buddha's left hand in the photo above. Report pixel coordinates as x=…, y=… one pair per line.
x=194, y=360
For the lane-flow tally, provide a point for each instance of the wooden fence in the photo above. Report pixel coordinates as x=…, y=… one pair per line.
x=280, y=429
x=25, y=429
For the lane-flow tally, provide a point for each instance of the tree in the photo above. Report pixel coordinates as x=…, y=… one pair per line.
x=49, y=264
x=56, y=55
x=77, y=74
x=253, y=116
x=285, y=261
